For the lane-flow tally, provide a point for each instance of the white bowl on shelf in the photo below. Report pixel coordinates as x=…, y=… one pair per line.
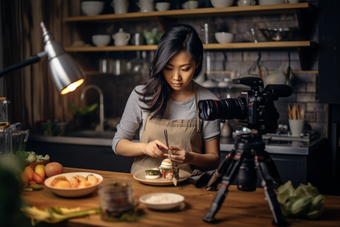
x=224, y=37
x=221, y=3
x=92, y=8
x=162, y=6
x=101, y=40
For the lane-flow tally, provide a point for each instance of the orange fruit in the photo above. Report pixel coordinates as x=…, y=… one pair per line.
x=24, y=178
x=29, y=172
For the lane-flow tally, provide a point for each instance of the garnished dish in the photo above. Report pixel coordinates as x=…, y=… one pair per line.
x=166, y=174
x=169, y=172
x=74, y=184
x=161, y=201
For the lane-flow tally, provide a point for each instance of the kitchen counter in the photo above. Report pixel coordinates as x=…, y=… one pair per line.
x=238, y=209
x=282, y=147
x=295, y=161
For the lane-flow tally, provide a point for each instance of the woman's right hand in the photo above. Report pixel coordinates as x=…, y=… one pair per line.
x=153, y=149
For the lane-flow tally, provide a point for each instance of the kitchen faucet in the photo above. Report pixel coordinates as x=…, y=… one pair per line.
x=99, y=127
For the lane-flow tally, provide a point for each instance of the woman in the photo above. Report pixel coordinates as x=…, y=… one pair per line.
x=168, y=101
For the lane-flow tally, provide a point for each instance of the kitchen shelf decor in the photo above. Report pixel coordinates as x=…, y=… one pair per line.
x=199, y=12
x=165, y=19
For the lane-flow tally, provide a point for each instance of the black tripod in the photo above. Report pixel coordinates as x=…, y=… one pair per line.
x=247, y=147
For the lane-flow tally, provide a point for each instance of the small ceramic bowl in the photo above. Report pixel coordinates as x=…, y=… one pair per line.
x=101, y=40
x=92, y=8
x=221, y=3
x=224, y=37
x=162, y=6
x=161, y=201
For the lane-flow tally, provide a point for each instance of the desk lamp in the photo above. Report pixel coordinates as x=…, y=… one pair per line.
x=66, y=73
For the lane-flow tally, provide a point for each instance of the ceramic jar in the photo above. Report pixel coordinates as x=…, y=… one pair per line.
x=121, y=38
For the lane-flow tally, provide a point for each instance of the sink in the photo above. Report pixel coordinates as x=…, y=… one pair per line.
x=92, y=134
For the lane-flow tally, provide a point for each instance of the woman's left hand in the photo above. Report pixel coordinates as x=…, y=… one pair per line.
x=178, y=155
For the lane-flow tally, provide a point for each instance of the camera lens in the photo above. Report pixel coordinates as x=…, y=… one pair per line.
x=224, y=109
x=247, y=175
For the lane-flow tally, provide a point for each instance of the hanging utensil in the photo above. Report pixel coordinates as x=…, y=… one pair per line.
x=257, y=69
x=167, y=142
x=225, y=80
x=289, y=71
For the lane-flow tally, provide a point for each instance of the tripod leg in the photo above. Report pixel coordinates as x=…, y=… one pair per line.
x=279, y=219
x=272, y=170
x=215, y=179
x=223, y=190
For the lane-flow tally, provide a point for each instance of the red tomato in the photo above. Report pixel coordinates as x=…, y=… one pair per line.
x=37, y=178
x=31, y=182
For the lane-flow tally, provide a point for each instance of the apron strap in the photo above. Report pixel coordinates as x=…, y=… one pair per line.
x=146, y=119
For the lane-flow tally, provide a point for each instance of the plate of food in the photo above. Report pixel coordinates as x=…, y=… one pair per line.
x=166, y=174
x=161, y=201
x=74, y=184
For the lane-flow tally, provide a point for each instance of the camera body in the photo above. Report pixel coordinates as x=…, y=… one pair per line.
x=254, y=108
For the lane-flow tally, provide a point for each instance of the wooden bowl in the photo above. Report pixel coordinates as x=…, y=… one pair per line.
x=34, y=164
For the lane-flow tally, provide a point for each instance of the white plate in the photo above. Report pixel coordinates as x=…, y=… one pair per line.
x=176, y=198
x=73, y=192
x=140, y=176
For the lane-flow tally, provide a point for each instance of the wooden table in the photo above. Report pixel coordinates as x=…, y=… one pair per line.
x=239, y=208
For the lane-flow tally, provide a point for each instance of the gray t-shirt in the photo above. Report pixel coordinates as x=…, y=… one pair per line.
x=134, y=116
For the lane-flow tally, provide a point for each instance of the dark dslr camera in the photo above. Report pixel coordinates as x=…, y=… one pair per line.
x=254, y=108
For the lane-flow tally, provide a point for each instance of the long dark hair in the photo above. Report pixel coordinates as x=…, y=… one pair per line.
x=157, y=91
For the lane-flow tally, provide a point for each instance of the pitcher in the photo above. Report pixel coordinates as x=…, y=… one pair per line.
x=19, y=139
x=145, y=5
x=120, y=6
x=121, y=38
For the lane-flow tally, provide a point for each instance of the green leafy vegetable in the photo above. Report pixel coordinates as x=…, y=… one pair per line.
x=32, y=157
x=55, y=214
x=78, y=111
x=304, y=201
x=36, y=187
x=22, y=156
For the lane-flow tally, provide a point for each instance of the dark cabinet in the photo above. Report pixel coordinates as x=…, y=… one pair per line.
x=300, y=169
x=329, y=52
x=82, y=156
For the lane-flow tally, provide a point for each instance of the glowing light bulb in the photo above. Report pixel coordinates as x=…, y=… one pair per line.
x=72, y=87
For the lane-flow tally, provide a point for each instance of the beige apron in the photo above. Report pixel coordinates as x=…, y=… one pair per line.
x=181, y=133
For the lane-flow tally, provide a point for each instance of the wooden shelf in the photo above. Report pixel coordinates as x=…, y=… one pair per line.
x=226, y=11
x=304, y=12
x=213, y=46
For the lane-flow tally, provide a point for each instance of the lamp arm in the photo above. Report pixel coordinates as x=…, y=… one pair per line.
x=32, y=60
